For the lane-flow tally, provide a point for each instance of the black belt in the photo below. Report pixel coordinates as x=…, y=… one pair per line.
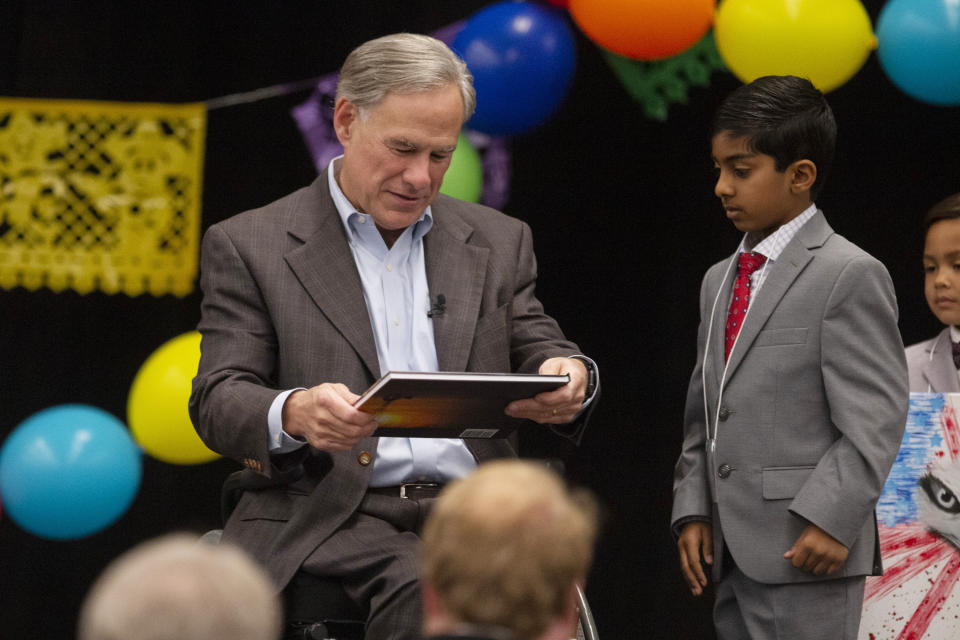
x=409, y=490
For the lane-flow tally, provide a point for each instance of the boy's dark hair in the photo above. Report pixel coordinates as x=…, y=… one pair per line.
x=946, y=209
x=785, y=117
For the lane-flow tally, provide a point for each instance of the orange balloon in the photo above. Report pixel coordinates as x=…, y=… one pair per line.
x=644, y=29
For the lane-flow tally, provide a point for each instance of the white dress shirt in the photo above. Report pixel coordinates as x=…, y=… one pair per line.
x=773, y=245
x=397, y=297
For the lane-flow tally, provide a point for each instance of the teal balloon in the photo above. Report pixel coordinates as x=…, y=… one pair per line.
x=68, y=471
x=464, y=177
x=919, y=48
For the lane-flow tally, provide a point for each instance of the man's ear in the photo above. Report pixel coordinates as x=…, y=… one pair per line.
x=803, y=173
x=431, y=602
x=434, y=618
x=345, y=116
x=564, y=626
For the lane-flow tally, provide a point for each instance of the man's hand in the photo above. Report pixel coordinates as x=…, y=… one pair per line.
x=696, y=538
x=560, y=405
x=324, y=416
x=817, y=552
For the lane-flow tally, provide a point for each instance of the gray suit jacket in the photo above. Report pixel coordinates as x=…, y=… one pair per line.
x=813, y=407
x=931, y=366
x=283, y=307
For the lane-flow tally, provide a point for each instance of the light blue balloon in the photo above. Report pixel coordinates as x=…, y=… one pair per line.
x=919, y=48
x=68, y=471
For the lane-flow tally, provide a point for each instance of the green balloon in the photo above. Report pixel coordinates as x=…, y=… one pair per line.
x=464, y=177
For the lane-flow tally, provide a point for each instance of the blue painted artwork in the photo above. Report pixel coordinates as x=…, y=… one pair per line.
x=918, y=516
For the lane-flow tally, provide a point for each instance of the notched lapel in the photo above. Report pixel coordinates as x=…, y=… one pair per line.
x=719, y=322
x=939, y=370
x=780, y=276
x=327, y=271
x=794, y=258
x=457, y=270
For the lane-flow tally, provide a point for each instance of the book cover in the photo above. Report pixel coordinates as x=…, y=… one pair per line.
x=451, y=405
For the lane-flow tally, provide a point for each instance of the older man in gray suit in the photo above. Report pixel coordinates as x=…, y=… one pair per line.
x=308, y=300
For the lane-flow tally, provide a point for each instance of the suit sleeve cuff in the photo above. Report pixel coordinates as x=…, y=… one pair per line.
x=280, y=440
x=678, y=526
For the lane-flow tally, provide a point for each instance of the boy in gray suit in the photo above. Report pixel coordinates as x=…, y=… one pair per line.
x=932, y=363
x=798, y=400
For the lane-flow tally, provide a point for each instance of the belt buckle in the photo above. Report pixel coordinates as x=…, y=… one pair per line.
x=416, y=485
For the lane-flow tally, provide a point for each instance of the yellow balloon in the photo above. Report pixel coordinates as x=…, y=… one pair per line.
x=157, y=404
x=825, y=41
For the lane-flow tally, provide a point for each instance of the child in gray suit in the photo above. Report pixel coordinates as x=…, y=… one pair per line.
x=932, y=363
x=798, y=399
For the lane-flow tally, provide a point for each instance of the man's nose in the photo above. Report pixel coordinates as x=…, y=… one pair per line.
x=417, y=173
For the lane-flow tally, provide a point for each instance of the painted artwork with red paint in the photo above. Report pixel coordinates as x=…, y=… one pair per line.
x=918, y=514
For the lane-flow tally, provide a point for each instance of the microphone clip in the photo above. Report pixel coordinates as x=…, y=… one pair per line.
x=439, y=307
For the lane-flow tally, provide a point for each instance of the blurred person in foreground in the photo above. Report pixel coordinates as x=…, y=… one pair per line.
x=177, y=588
x=503, y=552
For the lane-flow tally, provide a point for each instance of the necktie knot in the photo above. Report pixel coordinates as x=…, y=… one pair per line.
x=956, y=354
x=747, y=263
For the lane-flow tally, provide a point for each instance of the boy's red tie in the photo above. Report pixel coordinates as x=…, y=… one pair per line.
x=747, y=263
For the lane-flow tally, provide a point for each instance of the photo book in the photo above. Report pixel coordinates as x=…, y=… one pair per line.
x=451, y=405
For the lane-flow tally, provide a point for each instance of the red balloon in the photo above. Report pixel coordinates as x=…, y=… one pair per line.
x=644, y=29
x=560, y=3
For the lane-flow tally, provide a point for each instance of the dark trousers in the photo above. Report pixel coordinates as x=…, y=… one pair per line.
x=375, y=555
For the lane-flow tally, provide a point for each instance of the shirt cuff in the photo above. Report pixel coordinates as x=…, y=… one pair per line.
x=280, y=440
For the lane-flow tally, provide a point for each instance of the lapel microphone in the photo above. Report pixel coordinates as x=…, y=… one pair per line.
x=437, y=308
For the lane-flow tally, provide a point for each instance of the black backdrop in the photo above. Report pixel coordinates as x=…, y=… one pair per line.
x=624, y=219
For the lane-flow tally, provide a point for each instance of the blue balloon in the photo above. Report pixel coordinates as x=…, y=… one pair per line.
x=522, y=58
x=68, y=471
x=919, y=48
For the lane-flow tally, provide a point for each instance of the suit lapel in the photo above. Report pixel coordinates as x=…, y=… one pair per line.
x=719, y=320
x=456, y=270
x=778, y=279
x=327, y=271
x=939, y=370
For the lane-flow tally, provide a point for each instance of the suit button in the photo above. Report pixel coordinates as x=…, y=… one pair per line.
x=364, y=458
x=724, y=471
x=724, y=413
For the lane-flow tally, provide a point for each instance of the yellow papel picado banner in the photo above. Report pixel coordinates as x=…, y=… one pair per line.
x=100, y=195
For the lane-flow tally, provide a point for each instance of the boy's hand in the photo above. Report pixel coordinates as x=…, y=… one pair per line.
x=817, y=552
x=695, y=538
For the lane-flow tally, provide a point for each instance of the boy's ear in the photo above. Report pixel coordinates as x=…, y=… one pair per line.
x=803, y=173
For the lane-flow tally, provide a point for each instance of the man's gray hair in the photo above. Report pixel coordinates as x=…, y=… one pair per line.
x=403, y=63
x=178, y=588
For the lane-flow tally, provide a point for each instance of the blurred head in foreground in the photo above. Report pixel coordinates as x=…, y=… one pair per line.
x=503, y=552
x=177, y=588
